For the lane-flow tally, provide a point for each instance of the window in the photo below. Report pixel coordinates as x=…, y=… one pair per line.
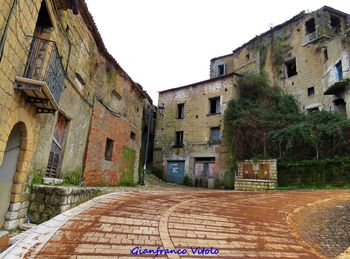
x=310, y=26
x=325, y=55
x=247, y=57
x=339, y=71
x=335, y=24
x=79, y=80
x=214, y=105
x=132, y=135
x=291, y=67
x=180, y=111
x=179, y=137
x=215, y=134
x=221, y=69
x=109, y=150
x=311, y=91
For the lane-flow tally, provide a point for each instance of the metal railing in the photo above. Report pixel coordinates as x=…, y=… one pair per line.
x=45, y=64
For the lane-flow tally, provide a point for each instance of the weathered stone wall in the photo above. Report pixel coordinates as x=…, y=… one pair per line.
x=91, y=72
x=288, y=41
x=13, y=107
x=196, y=125
x=266, y=179
x=49, y=201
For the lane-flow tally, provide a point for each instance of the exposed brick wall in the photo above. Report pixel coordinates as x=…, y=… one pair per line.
x=105, y=124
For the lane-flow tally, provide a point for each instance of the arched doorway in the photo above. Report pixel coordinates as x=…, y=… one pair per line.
x=8, y=168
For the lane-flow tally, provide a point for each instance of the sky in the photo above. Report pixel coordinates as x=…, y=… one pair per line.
x=164, y=44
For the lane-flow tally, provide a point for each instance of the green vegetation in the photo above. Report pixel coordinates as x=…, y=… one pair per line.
x=37, y=177
x=265, y=122
x=73, y=178
x=313, y=187
x=127, y=176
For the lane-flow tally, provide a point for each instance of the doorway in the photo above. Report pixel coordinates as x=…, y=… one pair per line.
x=8, y=169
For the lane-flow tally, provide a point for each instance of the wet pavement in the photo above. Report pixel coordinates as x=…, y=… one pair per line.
x=195, y=223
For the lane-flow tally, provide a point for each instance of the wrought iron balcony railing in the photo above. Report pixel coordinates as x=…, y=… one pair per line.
x=43, y=80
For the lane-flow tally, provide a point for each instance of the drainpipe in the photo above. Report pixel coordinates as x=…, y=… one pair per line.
x=150, y=117
x=76, y=7
x=3, y=37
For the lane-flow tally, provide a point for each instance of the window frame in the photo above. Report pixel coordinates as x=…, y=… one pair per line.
x=217, y=105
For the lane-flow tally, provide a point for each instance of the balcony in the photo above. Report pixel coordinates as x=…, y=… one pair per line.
x=43, y=80
x=337, y=87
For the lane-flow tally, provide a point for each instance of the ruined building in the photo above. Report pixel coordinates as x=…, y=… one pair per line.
x=307, y=56
x=66, y=105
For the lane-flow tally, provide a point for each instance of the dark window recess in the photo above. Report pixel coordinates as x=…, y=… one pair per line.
x=311, y=91
x=247, y=57
x=132, y=135
x=180, y=111
x=214, y=105
x=291, y=67
x=179, y=137
x=340, y=105
x=80, y=79
x=335, y=24
x=339, y=71
x=109, y=150
x=310, y=26
x=221, y=69
x=215, y=134
x=325, y=54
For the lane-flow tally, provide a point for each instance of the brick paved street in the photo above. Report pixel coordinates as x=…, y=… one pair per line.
x=238, y=224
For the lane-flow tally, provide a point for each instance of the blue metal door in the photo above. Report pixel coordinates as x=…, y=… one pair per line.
x=176, y=171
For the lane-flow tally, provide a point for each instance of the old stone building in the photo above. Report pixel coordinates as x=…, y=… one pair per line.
x=189, y=129
x=66, y=105
x=307, y=56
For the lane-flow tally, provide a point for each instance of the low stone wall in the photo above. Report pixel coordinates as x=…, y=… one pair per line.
x=256, y=175
x=254, y=185
x=49, y=201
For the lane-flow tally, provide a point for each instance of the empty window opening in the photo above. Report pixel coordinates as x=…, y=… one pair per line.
x=179, y=137
x=335, y=24
x=311, y=91
x=132, y=135
x=221, y=69
x=339, y=71
x=310, y=26
x=325, y=54
x=180, y=111
x=247, y=57
x=215, y=134
x=109, y=149
x=315, y=109
x=340, y=105
x=79, y=79
x=291, y=67
x=214, y=105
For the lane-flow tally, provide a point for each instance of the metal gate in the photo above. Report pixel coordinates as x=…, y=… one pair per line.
x=175, y=172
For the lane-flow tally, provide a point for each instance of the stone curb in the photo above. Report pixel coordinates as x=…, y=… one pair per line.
x=35, y=239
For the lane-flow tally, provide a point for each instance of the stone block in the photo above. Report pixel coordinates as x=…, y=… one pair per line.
x=11, y=215
x=11, y=224
x=15, y=206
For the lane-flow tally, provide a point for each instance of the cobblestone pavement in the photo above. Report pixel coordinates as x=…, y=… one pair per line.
x=327, y=227
x=238, y=224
